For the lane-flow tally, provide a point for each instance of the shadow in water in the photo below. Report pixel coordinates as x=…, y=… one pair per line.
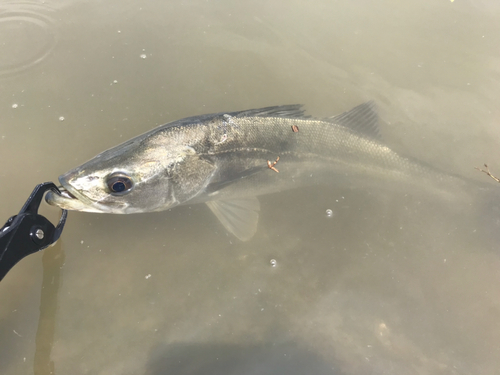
x=229, y=359
x=52, y=259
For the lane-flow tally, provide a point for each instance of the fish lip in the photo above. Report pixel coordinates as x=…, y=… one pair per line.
x=72, y=192
x=64, y=200
x=71, y=199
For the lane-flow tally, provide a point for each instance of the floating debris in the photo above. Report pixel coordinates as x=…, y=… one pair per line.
x=487, y=171
x=271, y=165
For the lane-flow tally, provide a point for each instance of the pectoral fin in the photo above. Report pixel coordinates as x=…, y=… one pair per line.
x=239, y=216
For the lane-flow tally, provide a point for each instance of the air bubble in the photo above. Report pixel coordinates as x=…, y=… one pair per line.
x=329, y=213
x=273, y=262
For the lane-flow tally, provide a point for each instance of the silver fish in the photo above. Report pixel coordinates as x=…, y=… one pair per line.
x=228, y=159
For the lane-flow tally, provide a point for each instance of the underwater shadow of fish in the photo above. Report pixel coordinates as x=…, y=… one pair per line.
x=233, y=359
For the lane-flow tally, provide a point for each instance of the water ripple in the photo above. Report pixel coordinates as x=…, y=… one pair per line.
x=27, y=36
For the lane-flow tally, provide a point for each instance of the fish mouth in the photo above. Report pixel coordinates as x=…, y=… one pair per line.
x=70, y=199
x=65, y=193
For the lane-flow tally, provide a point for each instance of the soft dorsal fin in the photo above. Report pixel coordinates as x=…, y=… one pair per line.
x=289, y=111
x=363, y=119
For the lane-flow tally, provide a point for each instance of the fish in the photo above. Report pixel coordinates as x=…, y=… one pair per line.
x=226, y=160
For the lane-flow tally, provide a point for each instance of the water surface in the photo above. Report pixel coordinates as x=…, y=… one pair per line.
x=392, y=283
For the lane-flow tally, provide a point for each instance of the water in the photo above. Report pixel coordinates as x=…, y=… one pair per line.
x=392, y=283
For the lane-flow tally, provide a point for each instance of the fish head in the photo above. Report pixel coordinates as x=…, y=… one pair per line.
x=152, y=172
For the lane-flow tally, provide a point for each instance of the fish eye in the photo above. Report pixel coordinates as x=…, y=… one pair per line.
x=119, y=184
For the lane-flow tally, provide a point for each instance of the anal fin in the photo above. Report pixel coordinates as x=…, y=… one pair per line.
x=239, y=216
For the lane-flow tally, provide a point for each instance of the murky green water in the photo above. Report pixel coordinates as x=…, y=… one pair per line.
x=390, y=284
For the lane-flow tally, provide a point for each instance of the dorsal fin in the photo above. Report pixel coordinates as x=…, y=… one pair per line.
x=363, y=119
x=289, y=111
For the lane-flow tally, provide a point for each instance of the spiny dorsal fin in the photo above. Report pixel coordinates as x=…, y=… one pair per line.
x=289, y=111
x=363, y=119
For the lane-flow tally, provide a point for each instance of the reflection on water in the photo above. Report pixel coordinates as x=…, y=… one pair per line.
x=52, y=260
x=350, y=281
